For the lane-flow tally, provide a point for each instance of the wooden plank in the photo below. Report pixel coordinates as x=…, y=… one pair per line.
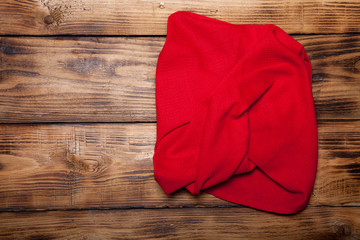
x=75, y=166
x=127, y=17
x=188, y=223
x=78, y=79
x=111, y=79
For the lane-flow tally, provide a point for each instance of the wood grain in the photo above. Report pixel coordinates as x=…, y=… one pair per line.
x=189, y=223
x=112, y=79
x=76, y=166
x=85, y=79
x=79, y=164
x=127, y=17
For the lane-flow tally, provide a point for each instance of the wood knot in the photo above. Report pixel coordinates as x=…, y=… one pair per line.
x=87, y=163
x=48, y=19
x=76, y=163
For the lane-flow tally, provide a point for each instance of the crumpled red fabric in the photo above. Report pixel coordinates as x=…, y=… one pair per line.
x=235, y=114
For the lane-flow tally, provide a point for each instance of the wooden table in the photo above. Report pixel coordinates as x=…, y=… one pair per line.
x=77, y=114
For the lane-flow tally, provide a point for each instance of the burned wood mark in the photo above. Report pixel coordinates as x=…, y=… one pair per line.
x=352, y=66
x=332, y=143
x=345, y=79
x=7, y=148
x=337, y=50
x=273, y=10
x=16, y=202
x=348, y=65
x=94, y=45
x=5, y=152
x=346, y=154
x=353, y=169
x=319, y=78
x=10, y=72
x=344, y=50
x=20, y=63
x=338, y=105
x=10, y=48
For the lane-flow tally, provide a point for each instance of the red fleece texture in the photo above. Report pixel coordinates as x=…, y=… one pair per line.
x=235, y=114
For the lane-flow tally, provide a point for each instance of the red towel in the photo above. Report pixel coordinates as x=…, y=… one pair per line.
x=235, y=114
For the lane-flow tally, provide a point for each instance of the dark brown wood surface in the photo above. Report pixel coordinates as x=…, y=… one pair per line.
x=76, y=166
x=128, y=17
x=78, y=122
x=102, y=79
x=325, y=223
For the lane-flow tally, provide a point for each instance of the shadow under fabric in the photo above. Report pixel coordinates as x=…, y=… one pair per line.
x=235, y=114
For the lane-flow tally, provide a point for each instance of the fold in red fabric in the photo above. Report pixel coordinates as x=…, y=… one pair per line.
x=235, y=114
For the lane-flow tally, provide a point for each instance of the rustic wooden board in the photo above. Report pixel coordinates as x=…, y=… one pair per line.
x=78, y=79
x=85, y=171
x=112, y=79
x=143, y=17
x=320, y=223
x=76, y=166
